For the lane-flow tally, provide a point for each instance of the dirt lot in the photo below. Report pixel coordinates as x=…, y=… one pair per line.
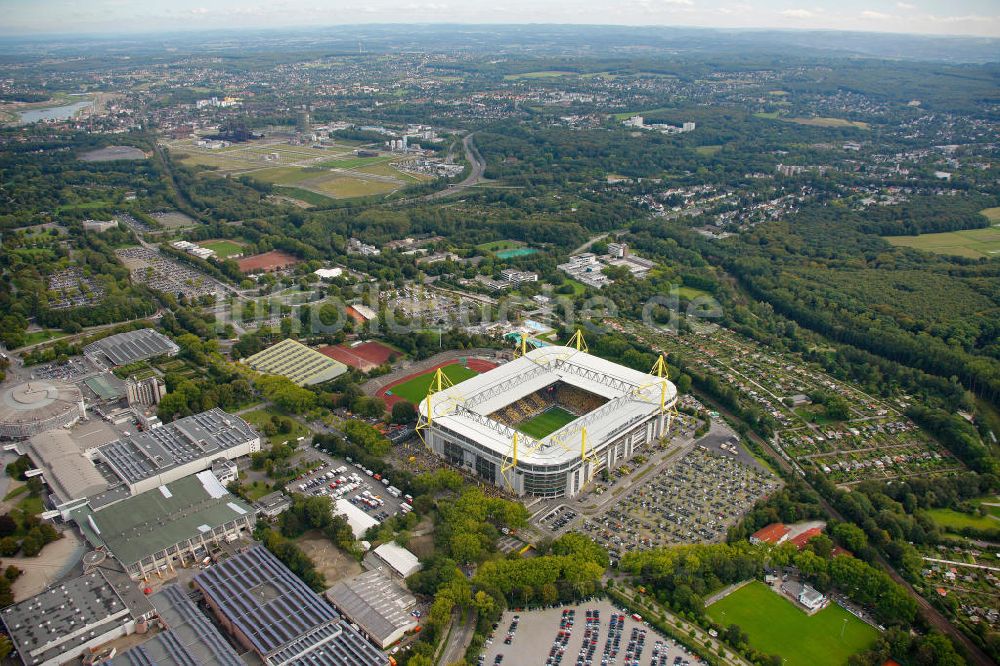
x=330, y=562
x=538, y=629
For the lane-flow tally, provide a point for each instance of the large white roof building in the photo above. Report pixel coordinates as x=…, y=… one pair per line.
x=617, y=411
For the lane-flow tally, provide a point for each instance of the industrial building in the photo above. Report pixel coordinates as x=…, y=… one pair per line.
x=610, y=413
x=66, y=620
x=174, y=525
x=270, y=611
x=188, y=637
x=292, y=359
x=273, y=504
x=39, y=405
x=379, y=606
x=359, y=521
x=393, y=559
x=146, y=392
x=125, y=348
x=68, y=473
x=145, y=460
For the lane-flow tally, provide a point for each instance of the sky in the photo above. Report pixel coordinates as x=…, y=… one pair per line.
x=943, y=17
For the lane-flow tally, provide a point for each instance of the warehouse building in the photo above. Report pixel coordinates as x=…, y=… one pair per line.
x=188, y=637
x=125, y=348
x=292, y=359
x=145, y=460
x=393, y=559
x=270, y=611
x=66, y=620
x=70, y=476
x=380, y=607
x=174, y=525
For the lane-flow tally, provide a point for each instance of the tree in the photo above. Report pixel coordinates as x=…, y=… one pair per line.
x=9, y=546
x=7, y=525
x=404, y=412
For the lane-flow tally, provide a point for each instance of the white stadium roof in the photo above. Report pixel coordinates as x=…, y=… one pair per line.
x=465, y=408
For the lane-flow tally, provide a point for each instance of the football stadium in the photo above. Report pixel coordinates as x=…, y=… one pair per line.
x=547, y=422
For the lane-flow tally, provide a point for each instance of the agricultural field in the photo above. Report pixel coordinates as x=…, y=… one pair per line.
x=775, y=626
x=972, y=243
x=223, y=248
x=415, y=389
x=546, y=423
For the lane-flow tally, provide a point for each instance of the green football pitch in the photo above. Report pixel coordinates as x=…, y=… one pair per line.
x=775, y=626
x=415, y=389
x=546, y=423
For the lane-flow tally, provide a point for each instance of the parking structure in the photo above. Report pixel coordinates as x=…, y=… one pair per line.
x=346, y=479
x=593, y=633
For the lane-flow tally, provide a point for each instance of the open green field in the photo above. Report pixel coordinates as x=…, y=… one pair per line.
x=949, y=518
x=311, y=198
x=259, y=417
x=223, y=248
x=546, y=423
x=35, y=337
x=415, y=389
x=691, y=293
x=812, y=122
x=708, y=151
x=345, y=187
x=497, y=246
x=972, y=243
x=775, y=626
x=991, y=214
x=545, y=74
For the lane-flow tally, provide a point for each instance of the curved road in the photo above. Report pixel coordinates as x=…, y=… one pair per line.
x=474, y=177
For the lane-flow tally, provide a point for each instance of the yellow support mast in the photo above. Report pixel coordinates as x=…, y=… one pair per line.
x=439, y=383
x=578, y=341
x=660, y=370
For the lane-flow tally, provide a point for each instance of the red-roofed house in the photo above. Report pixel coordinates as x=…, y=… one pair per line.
x=802, y=539
x=774, y=533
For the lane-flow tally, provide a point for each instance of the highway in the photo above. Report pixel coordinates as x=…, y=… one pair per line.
x=475, y=176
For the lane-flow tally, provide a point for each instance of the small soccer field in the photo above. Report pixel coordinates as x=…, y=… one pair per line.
x=775, y=626
x=546, y=423
x=415, y=388
x=223, y=248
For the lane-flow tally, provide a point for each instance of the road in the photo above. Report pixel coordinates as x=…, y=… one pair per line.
x=475, y=176
x=462, y=630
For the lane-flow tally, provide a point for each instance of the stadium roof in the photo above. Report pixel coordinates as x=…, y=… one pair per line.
x=189, y=639
x=207, y=435
x=37, y=401
x=284, y=620
x=292, y=359
x=375, y=603
x=145, y=524
x=68, y=472
x=59, y=620
x=125, y=348
x=632, y=396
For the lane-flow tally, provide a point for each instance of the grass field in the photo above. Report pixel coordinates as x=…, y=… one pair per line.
x=546, y=74
x=991, y=214
x=311, y=198
x=415, y=390
x=812, y=122
x=691, y=293
x=36, y=337
x=347, y=188
x=546, y=423
x=972, y=243
x=223, y=248
x=708, y=151
x=948, y=518
x=775, y=626
x=497, y=246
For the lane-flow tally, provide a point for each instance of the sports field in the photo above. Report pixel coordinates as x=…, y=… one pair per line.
x=223, y=248
x=973, y=243
x=415, y=389
x=546, y=423
x=775, y=626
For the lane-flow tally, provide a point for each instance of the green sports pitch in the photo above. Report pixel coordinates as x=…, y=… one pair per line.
x=415, y=389
x=546, y=423
x=775, y=626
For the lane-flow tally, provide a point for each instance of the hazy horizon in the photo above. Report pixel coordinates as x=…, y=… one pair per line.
x=979, y=18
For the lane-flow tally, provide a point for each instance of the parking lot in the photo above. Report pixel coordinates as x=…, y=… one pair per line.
x=694, y=501
x=594, y=633
x=342, y=479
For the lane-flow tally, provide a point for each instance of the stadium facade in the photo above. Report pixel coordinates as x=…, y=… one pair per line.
x=602, y=413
